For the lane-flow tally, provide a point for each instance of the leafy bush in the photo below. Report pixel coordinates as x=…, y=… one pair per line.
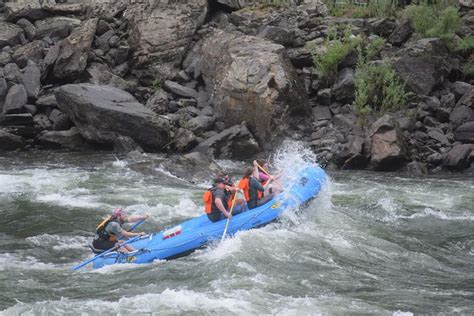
x=337, y=50
x=377, y=88
x=373, y=47
x=156, y=83
x=468, y=69
x=465, y=45
x=433, y=21
x=374, y=8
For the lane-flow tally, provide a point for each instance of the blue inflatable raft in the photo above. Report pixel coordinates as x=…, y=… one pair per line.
x=195, y=233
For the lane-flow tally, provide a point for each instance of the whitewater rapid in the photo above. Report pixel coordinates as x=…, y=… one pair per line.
x=371, y=243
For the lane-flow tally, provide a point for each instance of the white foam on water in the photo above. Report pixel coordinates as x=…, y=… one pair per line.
x=111, y=269
x=222, y=250
x=10, y=261
x=167, y=173
x=70, y=200
x=227, y=164
x=58, y=242
x=185, y=208
x=429, y=212
x=169, y=301
x=388, y=204
x=402, y=313
x=120, y=163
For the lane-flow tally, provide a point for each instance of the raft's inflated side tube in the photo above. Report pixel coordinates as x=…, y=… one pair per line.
x=183, y=239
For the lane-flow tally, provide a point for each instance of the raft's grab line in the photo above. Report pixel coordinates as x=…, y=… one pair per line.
x=195, y=233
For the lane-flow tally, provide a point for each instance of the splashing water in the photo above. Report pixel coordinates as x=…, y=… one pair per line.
x=370, y=243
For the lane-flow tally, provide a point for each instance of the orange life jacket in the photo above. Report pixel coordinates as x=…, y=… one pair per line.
x=207, y=199
x=244, y=185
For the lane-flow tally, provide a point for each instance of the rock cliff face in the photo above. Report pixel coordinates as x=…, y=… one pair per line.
x=224, y=78
x=250, y=79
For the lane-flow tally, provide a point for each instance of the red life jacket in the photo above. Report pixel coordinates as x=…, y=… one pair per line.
x=207, y=199
x=244, y=185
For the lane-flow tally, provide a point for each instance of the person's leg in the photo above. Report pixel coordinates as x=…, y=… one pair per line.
x=215, y=217
x=103, y=244
x=265, y=199
x=239, y=207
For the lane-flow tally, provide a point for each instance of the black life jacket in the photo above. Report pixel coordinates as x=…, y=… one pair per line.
x=102, y=234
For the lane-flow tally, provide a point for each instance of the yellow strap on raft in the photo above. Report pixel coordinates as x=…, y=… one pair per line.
x=103, y=222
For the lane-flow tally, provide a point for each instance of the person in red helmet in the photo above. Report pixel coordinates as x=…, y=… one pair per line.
x=109, y=231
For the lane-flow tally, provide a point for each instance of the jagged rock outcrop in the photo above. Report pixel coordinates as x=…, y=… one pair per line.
x=70, y=139
x=74, y=52
x=423, y=64
x=10, y=34
x=387, y=147
x=102, y=112
x=158, y=51
x=235, y=142
x=249, y=79
x=458, y=158
x=10, y=142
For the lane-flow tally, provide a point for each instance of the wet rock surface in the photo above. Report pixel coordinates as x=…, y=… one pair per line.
x=226, y=79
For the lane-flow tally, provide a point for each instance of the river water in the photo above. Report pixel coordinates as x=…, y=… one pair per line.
x=371, y=243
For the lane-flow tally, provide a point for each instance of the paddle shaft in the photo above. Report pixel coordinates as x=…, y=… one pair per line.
x=135, y=226
x=105, y=252
x=228, y=218
x=266, y=172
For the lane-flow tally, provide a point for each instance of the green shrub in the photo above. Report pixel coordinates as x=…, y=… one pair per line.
x=377, y=88
x=468, y=69
x=374, y=8
x=465, y=45
x=373, y=47
x=433, y=21
x=337, y=50
x=382, y=8
x=156, y=83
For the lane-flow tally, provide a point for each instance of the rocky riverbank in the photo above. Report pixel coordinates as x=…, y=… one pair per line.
x=226, y=79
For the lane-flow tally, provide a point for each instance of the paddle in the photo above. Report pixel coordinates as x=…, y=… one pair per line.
x=266, y=172
x=135, y=226
x=104, y=253
x=228, y=218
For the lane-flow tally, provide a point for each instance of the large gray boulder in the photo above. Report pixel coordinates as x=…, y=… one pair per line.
x=101, y=113
x=422, y=65
x=56, y=27
x=30, y=78
x=9, y=141
x=458, y=157
x=10, y=34
x=249, y=79
x=310, y=6
x=235, y=142
x=161, y=33
x=33, y=51
x=15, y=99
x=465, y=133
x=30, y=9
x=70, y=139
x=72, y=59
x=387, y=147
x=460, y=115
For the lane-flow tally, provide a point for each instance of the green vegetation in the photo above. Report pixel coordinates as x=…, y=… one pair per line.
x=373, y=48
x=375, y=8
x=156, y=83
x=433, y=20
x=465, y=45
x=377, y=88
x=468, y=69
x=337, y=50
